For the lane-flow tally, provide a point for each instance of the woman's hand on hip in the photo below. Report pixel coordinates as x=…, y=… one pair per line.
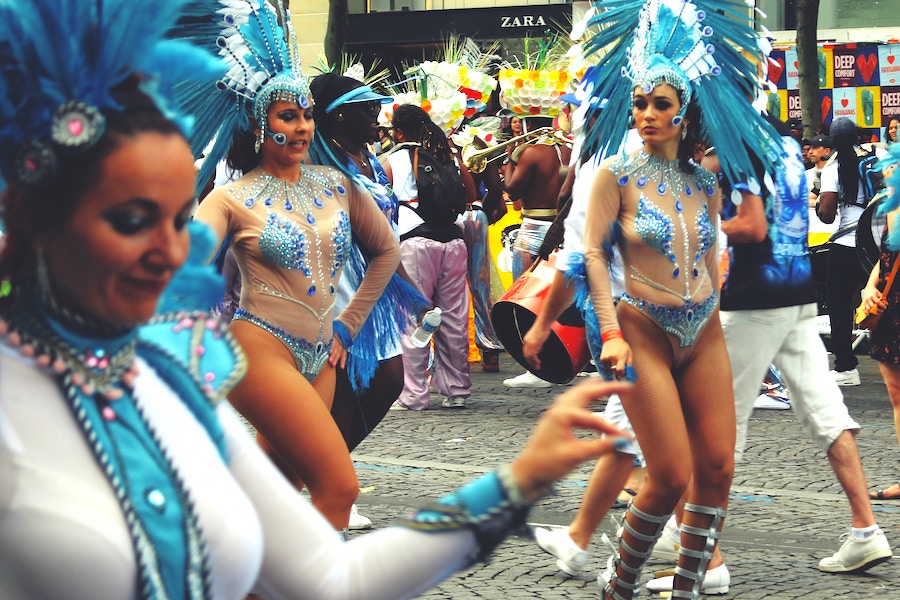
x=615, y=356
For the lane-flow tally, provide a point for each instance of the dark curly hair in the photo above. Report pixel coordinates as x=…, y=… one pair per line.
x=693, y=136
x=417, y=126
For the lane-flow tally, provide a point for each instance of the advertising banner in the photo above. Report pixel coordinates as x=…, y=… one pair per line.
x=858, y=81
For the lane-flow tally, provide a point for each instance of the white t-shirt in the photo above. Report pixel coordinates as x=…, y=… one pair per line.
x=848, y=214
x=818, y=229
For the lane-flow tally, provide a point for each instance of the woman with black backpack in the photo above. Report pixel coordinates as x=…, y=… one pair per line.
x=433, y=188
x=843, y=196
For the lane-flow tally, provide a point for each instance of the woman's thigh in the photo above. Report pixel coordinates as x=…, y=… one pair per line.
x=288, y=411
x=653, y=405
x=707, y=399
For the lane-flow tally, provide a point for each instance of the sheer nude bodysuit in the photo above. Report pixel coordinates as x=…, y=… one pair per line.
x=663, y=221
x=291, y=241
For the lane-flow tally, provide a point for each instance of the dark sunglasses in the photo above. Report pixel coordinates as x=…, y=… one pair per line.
x=370, y=108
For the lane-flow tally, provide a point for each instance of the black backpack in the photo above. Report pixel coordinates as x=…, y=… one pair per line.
x=442, y=197
x=871, y=179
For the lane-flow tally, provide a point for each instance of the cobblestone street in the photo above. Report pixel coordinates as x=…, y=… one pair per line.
x=787, y=510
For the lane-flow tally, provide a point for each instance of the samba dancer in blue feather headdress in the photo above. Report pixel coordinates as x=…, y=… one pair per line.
x=683, y=70
x=97, y=193
x=292, y=227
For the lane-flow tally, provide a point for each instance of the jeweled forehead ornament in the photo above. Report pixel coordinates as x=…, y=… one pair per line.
x=287, y=86
x=670, y=46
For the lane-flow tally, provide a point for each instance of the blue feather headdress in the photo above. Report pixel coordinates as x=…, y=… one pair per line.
x=891, y=201
x=60, y=62
x=701, y=49
x=258, y=44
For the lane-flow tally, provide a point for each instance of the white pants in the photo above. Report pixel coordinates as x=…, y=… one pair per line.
x=786, y=336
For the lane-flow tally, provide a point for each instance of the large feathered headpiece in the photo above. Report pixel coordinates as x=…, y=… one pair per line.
x=706, y=50
x=60, y=62
x=258, y=44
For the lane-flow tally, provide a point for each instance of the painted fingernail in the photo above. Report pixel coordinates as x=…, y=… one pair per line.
x=620, y=443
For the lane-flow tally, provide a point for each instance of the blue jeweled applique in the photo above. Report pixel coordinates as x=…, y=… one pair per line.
x=706, y=234
x=342, y=239
x=654, y=227
x=282, y=242
x=685, y=322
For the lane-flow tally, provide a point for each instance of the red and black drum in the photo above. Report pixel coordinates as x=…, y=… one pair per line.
x=565, y=353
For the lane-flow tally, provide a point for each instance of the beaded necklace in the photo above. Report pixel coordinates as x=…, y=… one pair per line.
x=96, y=376
x=645, y=169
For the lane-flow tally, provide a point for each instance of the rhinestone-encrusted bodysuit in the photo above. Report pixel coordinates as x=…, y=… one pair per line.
x=291, y=241
x=664, y=221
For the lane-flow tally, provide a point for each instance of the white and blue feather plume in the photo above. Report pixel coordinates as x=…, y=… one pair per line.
x=61, y=62
x=259, y=48
x=706, y=50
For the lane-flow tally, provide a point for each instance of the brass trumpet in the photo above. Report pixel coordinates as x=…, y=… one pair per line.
x=477, y=159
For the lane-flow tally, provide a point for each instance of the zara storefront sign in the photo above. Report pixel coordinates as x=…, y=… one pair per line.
x=514, y=22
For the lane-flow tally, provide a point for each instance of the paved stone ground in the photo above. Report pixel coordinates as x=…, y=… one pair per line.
x=787, y=509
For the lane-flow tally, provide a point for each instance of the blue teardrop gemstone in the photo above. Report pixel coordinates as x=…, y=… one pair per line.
x=710, y=190
x=312, y=290
x=641, y=182
x=307, y=272
x=269, y=201
x=310, y=219
x=688, y=190
x=676, y=272
x=329, y=193
x=690, y=315
x=318, y=202
x=679, y=206
x=672, y=258
x=623, y=180
x=696, y=273
x=288, y=206
x=341, y=190
x=249, y=202
x=661, y=188
x=331, y=290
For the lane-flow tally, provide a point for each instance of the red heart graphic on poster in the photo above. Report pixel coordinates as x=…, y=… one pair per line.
x=891, y=58
x=866, y=66
x=826, y=105
x=844, y=102
x=776, y=68
x=796, y=65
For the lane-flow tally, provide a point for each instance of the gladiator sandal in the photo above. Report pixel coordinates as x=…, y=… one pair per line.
x=617, y=568
x=710, y=535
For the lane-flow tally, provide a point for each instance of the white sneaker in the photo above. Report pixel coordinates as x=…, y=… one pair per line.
x=570, y=558
x=358, y=521
x=526, y=380
x=857, y=555
x=669, y=543
x=717, y=581
x=767, y=402
x=454, y=402
x=846, y=378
